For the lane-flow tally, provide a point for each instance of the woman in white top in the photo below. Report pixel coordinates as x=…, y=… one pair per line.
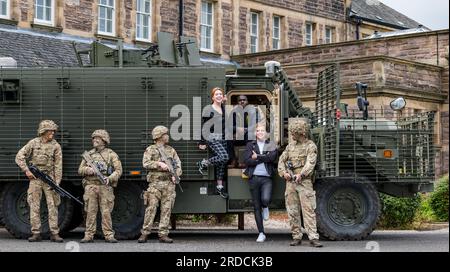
x=260, y=157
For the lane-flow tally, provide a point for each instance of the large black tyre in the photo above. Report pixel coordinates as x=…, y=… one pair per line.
x=346, y=210
x=78, y=210
x=16, y=212
x=129, y=209
x=76, y=220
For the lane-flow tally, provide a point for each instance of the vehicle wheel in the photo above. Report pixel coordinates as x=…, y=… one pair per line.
x=77, y=216
x=16, y=212
x=76, y=220
x=129, y=209
x=346, y=210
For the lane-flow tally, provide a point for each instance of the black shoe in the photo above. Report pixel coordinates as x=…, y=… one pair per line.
x=221, y=192
x=202, y=167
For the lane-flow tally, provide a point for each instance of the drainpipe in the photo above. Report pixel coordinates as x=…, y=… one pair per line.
x=180, y=22
x=358, y=23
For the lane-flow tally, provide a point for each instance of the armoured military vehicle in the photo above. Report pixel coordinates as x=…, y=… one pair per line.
x=128, y=92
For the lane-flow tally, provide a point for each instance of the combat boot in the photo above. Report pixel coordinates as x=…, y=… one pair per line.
x=35, y=238
x=315, y=243
x=165, y=239
x=296, y=242
x=143, y=238
x=111, y=240
x=87, y=240
x=56, y=238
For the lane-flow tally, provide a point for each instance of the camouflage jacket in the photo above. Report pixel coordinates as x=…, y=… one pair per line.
x=45, y=156
x=151, y=159
x=105, y=159
x=303, y=157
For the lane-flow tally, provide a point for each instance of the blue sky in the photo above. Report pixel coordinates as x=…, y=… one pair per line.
x=431, y=13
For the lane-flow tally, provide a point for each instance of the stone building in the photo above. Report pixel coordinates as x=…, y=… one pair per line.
x=414, y=66
x=222, y=27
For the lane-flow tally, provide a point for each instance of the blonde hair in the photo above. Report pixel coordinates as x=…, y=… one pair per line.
x=261, y=125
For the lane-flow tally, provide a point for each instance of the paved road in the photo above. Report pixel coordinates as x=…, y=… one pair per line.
x=242, y=241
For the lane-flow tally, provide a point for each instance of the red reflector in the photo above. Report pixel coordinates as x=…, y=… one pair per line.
x=338, y=114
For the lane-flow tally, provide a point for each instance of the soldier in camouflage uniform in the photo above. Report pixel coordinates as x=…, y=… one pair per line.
x=96, y=192
x=300, y=195
x=161, y=184
x=44, y=153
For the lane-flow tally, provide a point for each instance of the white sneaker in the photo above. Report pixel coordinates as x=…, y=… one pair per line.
x=265, y=213
x=261, y=238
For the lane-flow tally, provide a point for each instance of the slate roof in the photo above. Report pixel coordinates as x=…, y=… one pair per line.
x=33, y=48
x=376, y=12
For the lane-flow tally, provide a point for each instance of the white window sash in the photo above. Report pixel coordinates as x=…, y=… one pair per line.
x=328, y=35
x=254, y=36
x=112, y=20
x=276, y=35
x=309, y=34
x=4, y=14
x=207, y=28
x=141, y=15
x=43, y=21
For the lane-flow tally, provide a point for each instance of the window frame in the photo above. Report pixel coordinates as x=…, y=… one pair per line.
x=311, y=34
x=254, y=35
x=211, y=26
x=113, y=20
x=329, y=29
x=7, y=11
x=278, y=40
x=150, y=18
x=52, y=14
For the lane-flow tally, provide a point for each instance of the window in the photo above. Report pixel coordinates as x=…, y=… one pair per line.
x=254, y=30
x=43, y=13
x=276, y=41
x=207, y=27
x=143, y=20
x=329, y=35
x=10, y=91
x=4, y=9
x=106, y=18
x=309, y=33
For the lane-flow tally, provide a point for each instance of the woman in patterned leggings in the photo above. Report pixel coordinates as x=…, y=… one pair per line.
x=213, y=136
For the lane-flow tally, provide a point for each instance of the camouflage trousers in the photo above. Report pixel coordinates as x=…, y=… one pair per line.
x=95, y=196
x=301, y=201
x=158, y=192
x=53, y=200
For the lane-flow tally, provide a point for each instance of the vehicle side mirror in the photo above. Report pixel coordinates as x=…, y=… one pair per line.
x=398, y=104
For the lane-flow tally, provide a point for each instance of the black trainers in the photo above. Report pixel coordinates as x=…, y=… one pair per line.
x=202, y=167
x=221, y=192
